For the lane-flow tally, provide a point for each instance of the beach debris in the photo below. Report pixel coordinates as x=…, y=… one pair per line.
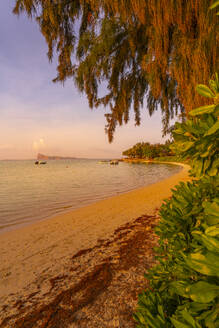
x=98, y=288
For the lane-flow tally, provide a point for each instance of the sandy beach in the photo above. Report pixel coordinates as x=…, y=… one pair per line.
x=45, y=259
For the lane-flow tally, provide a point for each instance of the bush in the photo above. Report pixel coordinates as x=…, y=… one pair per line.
x=176, y=159
x=184, y=286
x=145, y=150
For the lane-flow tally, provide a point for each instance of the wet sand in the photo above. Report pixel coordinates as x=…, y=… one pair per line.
x=44, y=262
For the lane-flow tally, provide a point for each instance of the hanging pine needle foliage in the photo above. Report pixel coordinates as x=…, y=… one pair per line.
x=149, y=53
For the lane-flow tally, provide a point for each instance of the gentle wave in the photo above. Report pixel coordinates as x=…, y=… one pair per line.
x=31, y=192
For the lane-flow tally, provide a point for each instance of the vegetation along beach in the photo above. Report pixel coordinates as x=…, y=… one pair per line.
x=117, y=229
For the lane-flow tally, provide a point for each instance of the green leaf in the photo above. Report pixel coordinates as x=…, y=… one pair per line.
x=186, y=145
x=213, y=129
x=211, y=320
x=212, y=231
x=179, y=130
x=205, y=154
x=213, y=172
x=160, y=310
x=180, y=288
x=211, y=243
x=215, y=4
x=178, y=324
x=206, y=165
x=203, y=292
x=213, y=85
x=211, y=210
x=188, y=318
x=202, y=110
x=196, y=306
x=212, y=220
x=204, y=263
x=139, y=317
x=203, y=90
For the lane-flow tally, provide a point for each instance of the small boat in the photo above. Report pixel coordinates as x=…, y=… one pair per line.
x=115, y=162
x=40, y=162
x=104, y=162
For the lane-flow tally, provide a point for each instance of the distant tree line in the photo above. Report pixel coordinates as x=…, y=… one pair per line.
x=149, y=151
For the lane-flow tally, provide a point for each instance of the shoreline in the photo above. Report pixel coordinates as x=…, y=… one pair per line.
x=33, y=255
x=21, y=225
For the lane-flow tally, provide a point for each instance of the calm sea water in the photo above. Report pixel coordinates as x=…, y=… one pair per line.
x=30, y=192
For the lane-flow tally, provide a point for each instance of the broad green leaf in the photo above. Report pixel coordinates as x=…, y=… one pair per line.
x=203, y=90
x=213, y=129
x=211, y=319
x=180, y=288
x=204, y=263
x=203, y=126
x=215, y=4
x=216, y=199
x=213, y=172
x=205, y=154
x=160, y=310
x=203, y=292
x=178, y=324
x=211, y=220
x=211, y=243
x=152, y=320
x=207, y=163
x=179, y=130
x=211, y=210
x=213, y=85
x=188, y=318
x=139, y=317
x=210, y=120
x=196, y=306
x=185, y=145
x=212, y=231
x=202, y=110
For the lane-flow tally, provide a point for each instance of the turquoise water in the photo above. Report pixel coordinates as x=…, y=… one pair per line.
x=30, y=192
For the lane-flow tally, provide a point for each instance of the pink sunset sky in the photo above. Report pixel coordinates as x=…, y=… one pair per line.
x=40, y=116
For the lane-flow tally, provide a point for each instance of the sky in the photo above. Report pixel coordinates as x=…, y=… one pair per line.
x=37, y=115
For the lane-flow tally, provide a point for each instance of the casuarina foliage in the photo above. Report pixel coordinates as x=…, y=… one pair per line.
x=144, y=52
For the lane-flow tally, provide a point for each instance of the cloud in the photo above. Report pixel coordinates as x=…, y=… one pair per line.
x=39, y=144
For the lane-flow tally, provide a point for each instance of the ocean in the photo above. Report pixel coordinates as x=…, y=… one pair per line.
x=29, y=192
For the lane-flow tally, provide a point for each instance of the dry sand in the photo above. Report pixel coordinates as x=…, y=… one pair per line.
x=34, y=257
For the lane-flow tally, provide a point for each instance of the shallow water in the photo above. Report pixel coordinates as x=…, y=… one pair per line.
x=30, y=192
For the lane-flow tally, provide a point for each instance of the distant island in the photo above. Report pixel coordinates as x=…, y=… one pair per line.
x=46, y=157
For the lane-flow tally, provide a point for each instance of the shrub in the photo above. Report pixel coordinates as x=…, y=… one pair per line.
x=184, y=286
x=170, y=159
x=149, y=151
